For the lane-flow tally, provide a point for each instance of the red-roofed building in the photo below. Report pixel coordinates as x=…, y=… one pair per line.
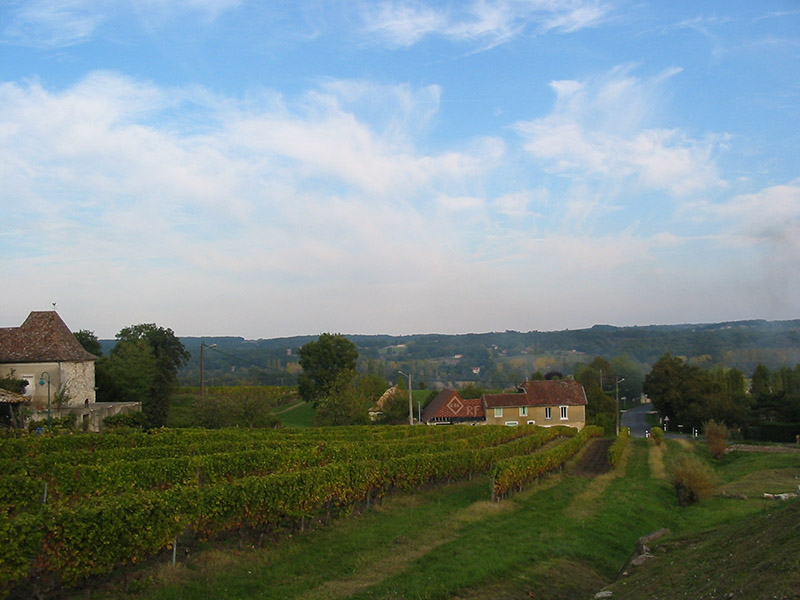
x=450, y=408
x=544, y=403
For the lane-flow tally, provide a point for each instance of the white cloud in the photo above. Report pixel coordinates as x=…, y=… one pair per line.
x=516, y=204
x=770, y=216
x=105, y=185
x=488, y=23
x=601, y=128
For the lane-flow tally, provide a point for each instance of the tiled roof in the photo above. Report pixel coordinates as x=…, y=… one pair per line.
x=564, y=392
x=504, y=400
x=556, y=391
x=43, y=337
x=449, y=405
x=7, y=397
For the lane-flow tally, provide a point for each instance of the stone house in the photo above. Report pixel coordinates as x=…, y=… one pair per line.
x=60, y=373
x=43, y=349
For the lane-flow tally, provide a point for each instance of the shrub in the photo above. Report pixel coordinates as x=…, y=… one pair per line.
x=66, y=422
x=716, y=438
x=657, y=434
x=131, y=419
x=691, y=478
x=618, y=447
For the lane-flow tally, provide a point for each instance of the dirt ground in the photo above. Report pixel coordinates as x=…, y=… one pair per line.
x=594, y=461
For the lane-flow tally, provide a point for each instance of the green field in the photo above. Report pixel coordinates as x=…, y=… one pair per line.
x=566, y=537
x=299, y=414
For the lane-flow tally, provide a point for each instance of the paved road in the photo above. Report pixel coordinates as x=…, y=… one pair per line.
x=635, y=418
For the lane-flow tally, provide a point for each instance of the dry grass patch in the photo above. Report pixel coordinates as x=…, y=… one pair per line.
x=478, y=511
x=655, y=458
x=584, y=505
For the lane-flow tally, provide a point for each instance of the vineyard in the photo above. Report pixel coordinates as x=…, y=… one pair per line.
x=81, y=505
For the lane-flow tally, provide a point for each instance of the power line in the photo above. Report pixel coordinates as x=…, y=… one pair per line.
x=249, y=362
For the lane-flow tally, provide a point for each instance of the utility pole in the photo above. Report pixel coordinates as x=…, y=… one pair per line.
x=410, y=400
x=617, y=396
x=203, y=367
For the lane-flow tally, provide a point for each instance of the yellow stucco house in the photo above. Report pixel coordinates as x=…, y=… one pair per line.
x=543, y=403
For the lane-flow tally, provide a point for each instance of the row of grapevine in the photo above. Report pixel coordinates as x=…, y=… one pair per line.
x=22, y=488
x=26, y=446
x=515, y=472
x=69, y=542
x=618, y=447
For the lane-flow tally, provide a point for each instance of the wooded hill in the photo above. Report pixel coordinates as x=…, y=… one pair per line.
x=501, y=358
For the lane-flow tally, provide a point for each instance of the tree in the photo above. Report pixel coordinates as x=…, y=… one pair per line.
x=760, y=382
x=689, y=396
x=471, y=391
x=89, y=342
x=126, y=375
x=323, y=362
x=13, y=384
x=143, y=367
x=344, y=403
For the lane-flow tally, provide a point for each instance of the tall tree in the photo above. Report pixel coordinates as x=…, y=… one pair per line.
x=760, y=386
x=323, y=362
x=344, y=402
x=89, y=341
x=127, y=374
x=168, y=355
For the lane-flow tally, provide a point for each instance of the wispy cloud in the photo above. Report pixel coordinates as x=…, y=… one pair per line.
x=62, y=23
x=52, y=23
x=486, y=23
x=603, y=127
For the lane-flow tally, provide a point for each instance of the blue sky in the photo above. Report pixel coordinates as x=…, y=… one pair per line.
x=265, y=169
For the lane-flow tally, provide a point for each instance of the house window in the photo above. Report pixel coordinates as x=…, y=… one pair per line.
x=498, y=412
x=29, y=385
x=523, y=411
x=511, y=423
x=548, y=412
x=563, y=413
x=531, y=422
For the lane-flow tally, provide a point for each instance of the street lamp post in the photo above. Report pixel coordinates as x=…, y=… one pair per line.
x=41, y=382
x=203, y=346
x=619, y=379
x=410, y=400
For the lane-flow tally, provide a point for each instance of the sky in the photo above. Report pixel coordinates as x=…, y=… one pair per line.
x=276, y=168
